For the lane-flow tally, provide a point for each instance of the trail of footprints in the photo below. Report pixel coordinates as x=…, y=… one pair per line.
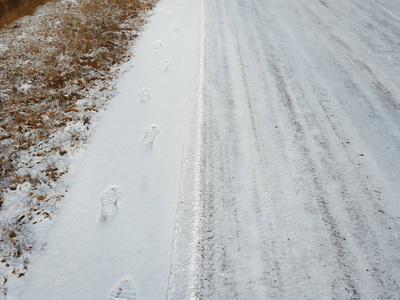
x=125, y=289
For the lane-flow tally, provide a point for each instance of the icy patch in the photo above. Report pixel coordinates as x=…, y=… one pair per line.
x=150, y=133
x=164, y=65
x=158, y=44
x=123, y=290
x=144, y=95
x=108, y=200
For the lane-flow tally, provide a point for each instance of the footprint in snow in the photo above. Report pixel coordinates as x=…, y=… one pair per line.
x=175, y=27
x=144, y=95
x=180, y=2
x=164, y=65
x=158, y=44
x=171, y=13
x=150, y=133
x=108, y=199
x=124, y=289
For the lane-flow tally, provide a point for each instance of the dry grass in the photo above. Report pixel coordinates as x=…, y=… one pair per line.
x=45, y=72
x=50, y=64
x=12, y=10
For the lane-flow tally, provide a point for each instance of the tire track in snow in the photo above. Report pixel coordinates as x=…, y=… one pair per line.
x=363, y=232
x=214, y=213
x=338, y=240
x=381, y=90
x=386, y=10
x=184, y=256
x=214, y=262
x=330, y=222
x=263, y=249
x=270, y=267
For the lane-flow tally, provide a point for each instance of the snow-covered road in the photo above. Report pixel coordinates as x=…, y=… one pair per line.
x=292, y=188
x=277, y=160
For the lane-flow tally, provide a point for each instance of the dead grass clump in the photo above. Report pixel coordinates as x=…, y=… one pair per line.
x=11, y=10
x=55, y=74
x=12, y=244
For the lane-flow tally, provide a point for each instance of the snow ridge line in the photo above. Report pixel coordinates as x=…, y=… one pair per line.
x=182, y=277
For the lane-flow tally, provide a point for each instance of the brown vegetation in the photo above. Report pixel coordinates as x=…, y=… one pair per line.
x=11, y=10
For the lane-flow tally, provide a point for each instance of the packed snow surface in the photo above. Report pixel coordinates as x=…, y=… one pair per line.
x=272, y=173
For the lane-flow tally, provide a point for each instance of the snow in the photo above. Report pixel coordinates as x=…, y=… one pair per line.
x=83, y=257
x=290, y=188
x=265, y=152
